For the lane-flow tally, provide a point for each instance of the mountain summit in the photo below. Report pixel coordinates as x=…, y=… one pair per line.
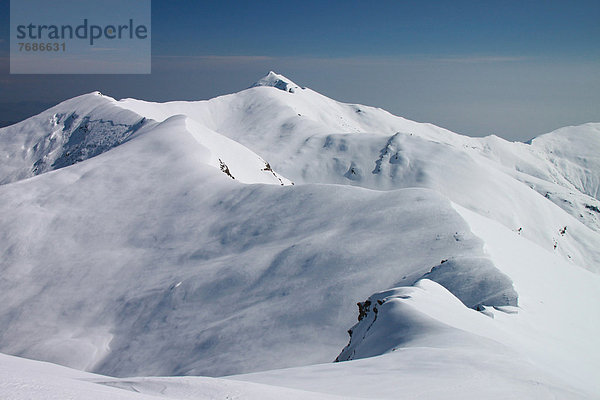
x=277, y=81
x=168, y=239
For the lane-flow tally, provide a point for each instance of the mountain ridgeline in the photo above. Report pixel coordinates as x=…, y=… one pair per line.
x=237, y=234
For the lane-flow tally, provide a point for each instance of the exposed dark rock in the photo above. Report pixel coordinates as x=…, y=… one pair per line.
x=225, y=169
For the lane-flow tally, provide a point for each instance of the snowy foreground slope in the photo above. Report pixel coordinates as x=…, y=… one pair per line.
x=168, y=239
x=26, y=379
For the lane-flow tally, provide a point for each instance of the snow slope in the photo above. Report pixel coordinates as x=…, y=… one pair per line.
x=423, y=342
x=89, y=125
x=26, y=379
x=427, y=345
x=68, y=133
x=575, y=151
x=142, y=238
x=310, y=138
x=212, y=270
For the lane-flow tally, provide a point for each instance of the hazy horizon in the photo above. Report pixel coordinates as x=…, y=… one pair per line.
x=514, y=70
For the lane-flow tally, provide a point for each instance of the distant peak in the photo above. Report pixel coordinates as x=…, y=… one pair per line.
x=277, y=81
x=95, y=94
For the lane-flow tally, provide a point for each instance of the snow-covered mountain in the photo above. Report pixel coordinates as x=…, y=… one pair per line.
x=144, y=238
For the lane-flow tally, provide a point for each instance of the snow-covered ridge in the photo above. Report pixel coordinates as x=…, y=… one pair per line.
x=277, y=81
x=173, y=243
x=310, y=138
x=475, y=282
x=92, y=124
x=575, y=152
x=71, y=132
x=233, y=159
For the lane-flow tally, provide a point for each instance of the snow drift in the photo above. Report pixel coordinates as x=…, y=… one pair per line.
x=140, y=238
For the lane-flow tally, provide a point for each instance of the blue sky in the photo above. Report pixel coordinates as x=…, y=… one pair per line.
x=378, y=28
x=512, y=68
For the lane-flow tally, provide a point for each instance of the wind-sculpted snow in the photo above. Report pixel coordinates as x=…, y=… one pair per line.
x=89, y=139
x=575, y=153
x=423, y=343
x=386, y=321
x=475, y=281
x=140, y=238
x=233, y=159
x=277, y=81
x=70, y=132
x=133, y=266
x=310, y=138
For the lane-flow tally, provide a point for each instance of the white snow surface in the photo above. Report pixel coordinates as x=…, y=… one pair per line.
x=24, y=379
x=310, y=138
x=143, y=239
